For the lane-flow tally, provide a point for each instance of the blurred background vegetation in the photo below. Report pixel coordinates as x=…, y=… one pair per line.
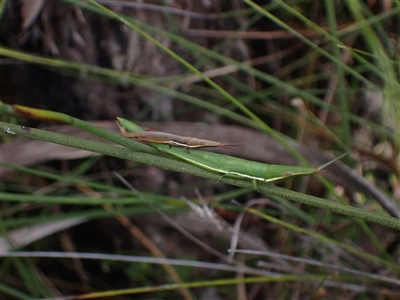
x=311, y=79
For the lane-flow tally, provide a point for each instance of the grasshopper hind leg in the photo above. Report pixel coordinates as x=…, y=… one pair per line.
x=222, y=176
x=255, y=184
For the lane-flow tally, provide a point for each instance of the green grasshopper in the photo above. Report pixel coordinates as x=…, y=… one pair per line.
x=225, y=165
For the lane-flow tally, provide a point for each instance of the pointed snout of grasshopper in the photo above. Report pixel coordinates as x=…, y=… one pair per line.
x=122, y=129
